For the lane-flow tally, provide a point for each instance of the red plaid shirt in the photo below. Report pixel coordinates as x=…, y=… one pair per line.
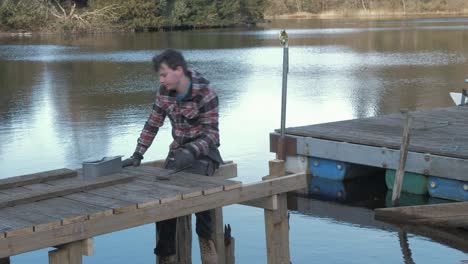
x=194, y=119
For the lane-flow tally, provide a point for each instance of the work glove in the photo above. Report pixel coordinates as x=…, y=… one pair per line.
x=183, y=158
x=134, y=160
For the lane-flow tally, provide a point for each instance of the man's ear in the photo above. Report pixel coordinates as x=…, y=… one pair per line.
x=179, y=69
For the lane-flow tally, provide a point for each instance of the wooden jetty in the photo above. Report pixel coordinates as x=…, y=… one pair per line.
x=368, y=218
x=60, y=209
x=438, y=145
x=443, y=215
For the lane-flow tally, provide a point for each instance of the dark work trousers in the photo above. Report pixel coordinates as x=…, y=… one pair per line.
x=166, y=230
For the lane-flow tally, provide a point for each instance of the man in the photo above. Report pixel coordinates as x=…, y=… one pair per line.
x=192, y=107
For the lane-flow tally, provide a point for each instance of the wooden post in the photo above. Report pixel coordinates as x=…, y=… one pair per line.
x=276, y=222
x=403, y=154
x=184, y=240
x=5, y=260
x=281, y=148
x=217, y=218
x=67, y=254
x=229, y=251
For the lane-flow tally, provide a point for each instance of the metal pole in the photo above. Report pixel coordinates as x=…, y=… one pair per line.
x=284, y=89
x=281, y=147
x=284, y=42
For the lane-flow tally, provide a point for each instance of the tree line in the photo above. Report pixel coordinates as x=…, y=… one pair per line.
x=139, y=15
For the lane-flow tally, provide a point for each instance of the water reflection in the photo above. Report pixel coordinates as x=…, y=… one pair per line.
x=66, y=99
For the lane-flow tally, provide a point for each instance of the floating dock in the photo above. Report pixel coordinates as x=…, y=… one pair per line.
x=60, y=209
x=438, y=149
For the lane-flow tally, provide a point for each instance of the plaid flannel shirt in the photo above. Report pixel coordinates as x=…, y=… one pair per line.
x=194, y=119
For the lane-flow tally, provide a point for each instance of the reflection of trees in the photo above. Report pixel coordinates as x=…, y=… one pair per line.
x=90, y=97
x=17, y=80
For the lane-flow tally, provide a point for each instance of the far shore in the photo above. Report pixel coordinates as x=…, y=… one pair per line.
x=358, y=15
x=361, y=14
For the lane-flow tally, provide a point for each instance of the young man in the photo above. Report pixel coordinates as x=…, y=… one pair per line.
x=192, y=107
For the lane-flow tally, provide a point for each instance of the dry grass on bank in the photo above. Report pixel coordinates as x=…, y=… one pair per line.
x=373, y=14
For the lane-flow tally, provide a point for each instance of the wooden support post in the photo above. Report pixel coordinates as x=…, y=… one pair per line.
x=401, y=165
x=276, y=222
x=217, y=218
x=281, y=148
x=87, y=247
x=229, y=251
x=5, y=260
x=184, y=240
x=67, y=254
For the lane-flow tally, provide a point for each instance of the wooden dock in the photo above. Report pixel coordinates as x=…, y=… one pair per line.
x=438, y=146
x=368, y=218
x=59, y=209
x=454, y=215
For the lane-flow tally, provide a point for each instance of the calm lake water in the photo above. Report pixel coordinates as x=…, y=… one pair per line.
x=64, y=100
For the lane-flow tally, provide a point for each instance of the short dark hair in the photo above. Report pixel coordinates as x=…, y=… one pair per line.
x=172, y=58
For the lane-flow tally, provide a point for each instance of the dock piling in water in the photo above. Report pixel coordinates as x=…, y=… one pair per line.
x=403, y=155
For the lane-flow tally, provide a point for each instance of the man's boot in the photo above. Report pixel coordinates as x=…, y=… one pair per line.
x=166, y=259
x=208, y=251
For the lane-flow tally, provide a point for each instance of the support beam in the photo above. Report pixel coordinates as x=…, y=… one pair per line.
x=382, y=157
x=67, y=254
x=276, y=222
x=270, y=203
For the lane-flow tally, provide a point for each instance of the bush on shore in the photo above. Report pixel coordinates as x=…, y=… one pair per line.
x=109, y=15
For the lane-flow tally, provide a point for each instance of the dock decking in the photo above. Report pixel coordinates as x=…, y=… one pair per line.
x=438, y=146
x=38, y=221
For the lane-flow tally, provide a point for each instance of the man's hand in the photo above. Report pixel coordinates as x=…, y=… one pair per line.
x=134, y=160
x=183, y=158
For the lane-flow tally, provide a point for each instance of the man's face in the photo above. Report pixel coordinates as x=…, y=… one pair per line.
x=170, y=78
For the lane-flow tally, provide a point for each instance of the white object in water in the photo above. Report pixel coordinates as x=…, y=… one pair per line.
x=456, y=97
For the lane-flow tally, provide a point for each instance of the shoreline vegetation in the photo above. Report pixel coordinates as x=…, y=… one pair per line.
x=25, y=17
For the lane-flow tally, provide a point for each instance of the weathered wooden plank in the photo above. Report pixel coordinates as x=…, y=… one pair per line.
x=435, y=131
x=114, y=203
x=197, y=186
x=225, y=171
x=93, y=227
x=36, y=178
x=68, y=211
x=165, y=189
x=207, y=183
x=12, y=226
x=445, y=215
x=40, y=222
x=56, y=191
x=65, y=210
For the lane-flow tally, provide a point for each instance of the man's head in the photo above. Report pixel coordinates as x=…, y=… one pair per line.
x=172, y=68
